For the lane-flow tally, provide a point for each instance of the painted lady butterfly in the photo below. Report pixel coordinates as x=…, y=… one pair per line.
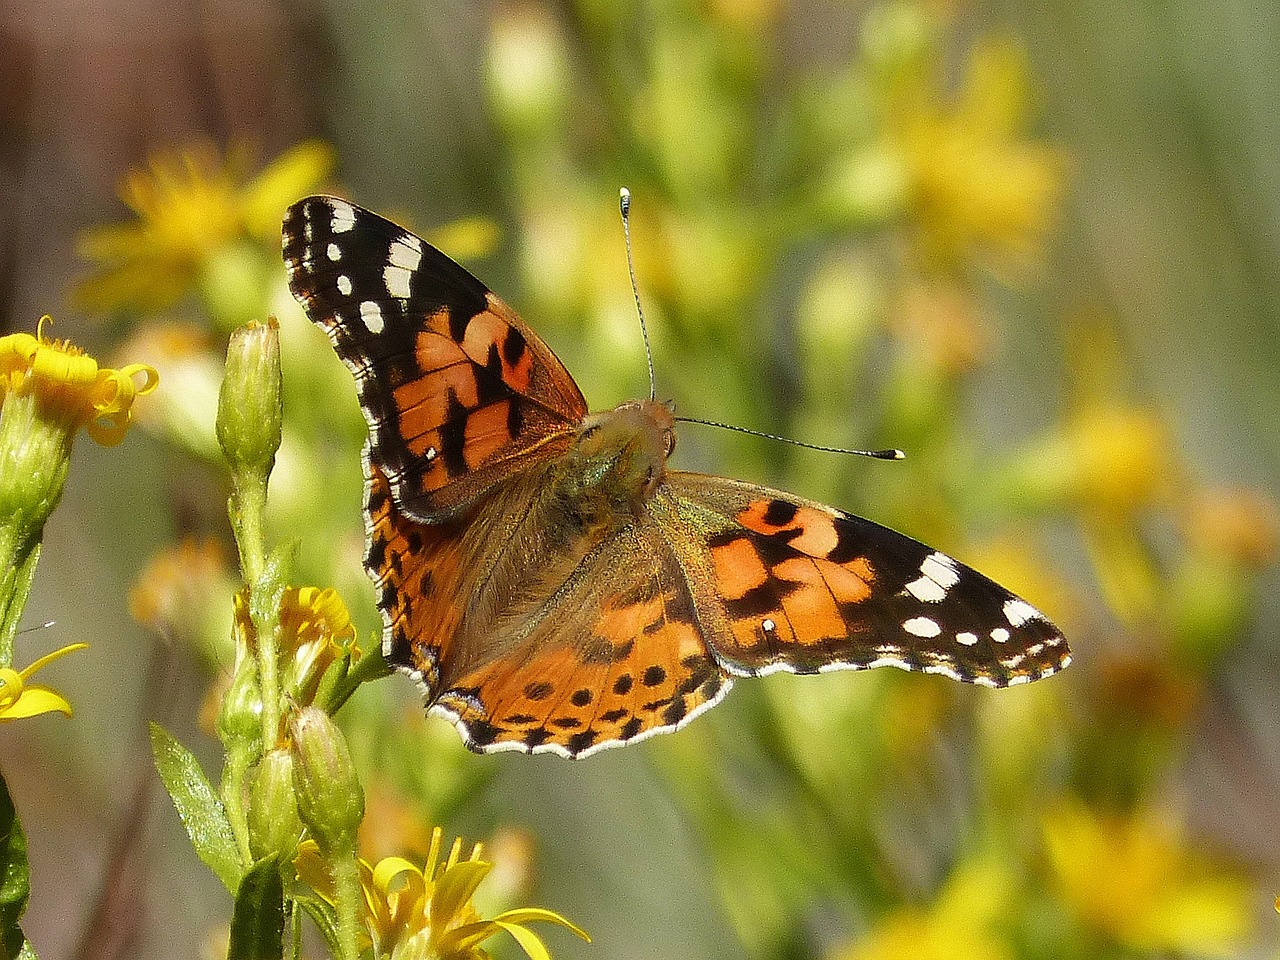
x=547, y=580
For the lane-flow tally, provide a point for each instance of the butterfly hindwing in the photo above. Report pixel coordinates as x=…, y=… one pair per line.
x=613, y=653
x=785, y=583
x=456, y=388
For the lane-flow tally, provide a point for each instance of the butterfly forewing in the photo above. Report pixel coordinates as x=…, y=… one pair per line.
x=456, y=388
x=788, y=584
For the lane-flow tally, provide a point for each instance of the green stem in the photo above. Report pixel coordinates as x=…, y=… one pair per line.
x=247, y=510
x=15, y=585
x=346, y=882
x=233, y=802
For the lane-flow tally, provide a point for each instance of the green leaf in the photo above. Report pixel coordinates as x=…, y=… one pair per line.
x=15, y=880
x=326, y=920
x=198, y=807
x=257, y=921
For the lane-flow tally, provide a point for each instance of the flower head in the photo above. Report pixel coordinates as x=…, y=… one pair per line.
x=192, y=206
x=69, y=387
x=1135, y=879
x=962, y=924
x=19, y=699
x=415, y=914
x=49, y=390
x=315, y=631
x=977, y=187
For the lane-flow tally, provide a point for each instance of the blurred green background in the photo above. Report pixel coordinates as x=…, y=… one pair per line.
x=1035, y=245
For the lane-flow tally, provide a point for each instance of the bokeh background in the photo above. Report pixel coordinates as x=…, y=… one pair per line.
x=1036, y=245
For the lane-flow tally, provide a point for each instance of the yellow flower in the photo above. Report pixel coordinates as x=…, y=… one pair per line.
x=19, y=699
x=69, y=386
x=1134, y=879
x=316, y=630
x=977, y=187
x=415, y=914
x=191, y=206
x=961, y=925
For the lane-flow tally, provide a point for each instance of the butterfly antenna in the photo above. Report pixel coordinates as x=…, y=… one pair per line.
x=624, y=205
x=39, y=626
x=874, y=454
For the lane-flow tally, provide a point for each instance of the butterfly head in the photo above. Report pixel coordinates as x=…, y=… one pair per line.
x=621, y=454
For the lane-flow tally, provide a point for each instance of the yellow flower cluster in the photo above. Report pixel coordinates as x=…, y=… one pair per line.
x=192, y=207
x=427, y=912
x=69, y=385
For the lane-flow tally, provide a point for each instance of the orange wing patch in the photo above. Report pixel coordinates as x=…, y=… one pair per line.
x=643, y=669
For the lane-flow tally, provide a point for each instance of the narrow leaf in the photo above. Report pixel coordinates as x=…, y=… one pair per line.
x=326, y=921
x=199, y=808
x=15, y=880
x=257, y=921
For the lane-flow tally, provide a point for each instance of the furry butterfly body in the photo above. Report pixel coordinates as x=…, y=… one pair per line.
x=549, y=581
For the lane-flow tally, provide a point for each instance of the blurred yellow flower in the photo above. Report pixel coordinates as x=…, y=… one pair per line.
x=178, y=583
x=69, y=387
x=191, y=205
x=962, y=924
x=977, y=187
x=413, y=913
x=1135, y=879
x=19, y=699
x=1238, y=524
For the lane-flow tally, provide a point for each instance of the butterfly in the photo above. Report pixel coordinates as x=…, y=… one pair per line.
x=549, y=582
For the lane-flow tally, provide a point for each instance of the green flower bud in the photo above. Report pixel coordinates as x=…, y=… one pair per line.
x=330, y=800
x=239, y=722
x=274, y=824
x=249, y=408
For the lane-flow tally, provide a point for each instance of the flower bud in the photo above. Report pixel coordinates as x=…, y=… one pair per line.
x=274, y=824
x=249, y=408
x=239, y=722
x=330, y=800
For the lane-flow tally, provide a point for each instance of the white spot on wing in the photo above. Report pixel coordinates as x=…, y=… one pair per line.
x=922, y=627
x=371, y=316
x=968, y=639
x=397, y=280
x=342, y=216
x=768, y=626
x=431, y=454
x=927, y=589
x=1000, y=635
x=941, y=569
x=1018, y=612
x=405, y=252
x=334, y=252
x=344, y=284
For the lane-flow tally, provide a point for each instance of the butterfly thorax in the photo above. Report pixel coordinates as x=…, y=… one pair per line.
x=617, y=461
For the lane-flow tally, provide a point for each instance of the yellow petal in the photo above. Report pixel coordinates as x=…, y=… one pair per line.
x=35, y=700
x=529, y=941
x=455, y=888
x=524, y=915
x=297, y=171
x=48, y=658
